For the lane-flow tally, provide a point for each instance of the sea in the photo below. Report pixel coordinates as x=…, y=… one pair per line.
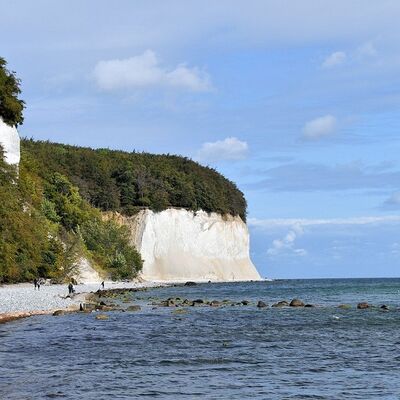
x=227, y=352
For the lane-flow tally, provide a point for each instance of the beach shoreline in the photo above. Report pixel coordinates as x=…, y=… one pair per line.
x=22, y=300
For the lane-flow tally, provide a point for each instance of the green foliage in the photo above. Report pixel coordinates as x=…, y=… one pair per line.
x=11, y=107
x=45, y=226
x=110, y=244
x=126, y=182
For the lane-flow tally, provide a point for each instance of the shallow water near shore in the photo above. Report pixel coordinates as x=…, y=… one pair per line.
x=215, y=352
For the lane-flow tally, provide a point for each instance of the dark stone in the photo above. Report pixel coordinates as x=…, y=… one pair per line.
x=215, y=303
x=282, y=303
x=345, y=306
x=362, y=306
x=384, y=307
x=261, y=304
x=89, y=306
x=190, y=283
x=296, y=303
x=168, y=303
x=245, y=302
x=309, y=305
x=134, y=308
x=198, y=301
x=102, y=303
x=58, y=312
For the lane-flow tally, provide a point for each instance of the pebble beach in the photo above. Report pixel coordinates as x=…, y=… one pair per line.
x=24, y=298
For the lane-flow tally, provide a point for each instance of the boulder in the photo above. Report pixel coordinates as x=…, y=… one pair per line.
x=384, y=307
x=282, y=303
x=362, y=306
x=261, y=304
x=345, y=306
x=134, y=308
x=190, y=283
x=58, y=312
x=198, y=301
x=215, y=303
x=245, y=302
x=102, y=317
x=296, y=303
x=309, y=305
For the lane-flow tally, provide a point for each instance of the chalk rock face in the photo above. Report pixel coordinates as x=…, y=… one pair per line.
x=9, y=140
x=179, y=245
x=85, y=273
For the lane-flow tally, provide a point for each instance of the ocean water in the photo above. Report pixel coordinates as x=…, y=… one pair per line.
x=215, y=352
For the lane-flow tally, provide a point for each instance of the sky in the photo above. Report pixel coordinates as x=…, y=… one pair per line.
x=296, y=101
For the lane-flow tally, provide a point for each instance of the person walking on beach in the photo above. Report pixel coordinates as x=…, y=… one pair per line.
x=38, y=285
x=70, y=288
x=102, y=285
x=35, y=282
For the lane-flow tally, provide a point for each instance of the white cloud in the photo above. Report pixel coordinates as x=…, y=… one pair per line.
x=320, y=127
x=287, y=243
x=302, y=222
x=393, y=201
x=230, y=148
x=145, y=70
x=335, y=59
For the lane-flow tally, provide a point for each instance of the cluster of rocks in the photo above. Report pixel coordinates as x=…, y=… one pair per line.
x=179, y=302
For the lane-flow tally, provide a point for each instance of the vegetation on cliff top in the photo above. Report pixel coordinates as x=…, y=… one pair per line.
x=125, y=182
x=11, y=107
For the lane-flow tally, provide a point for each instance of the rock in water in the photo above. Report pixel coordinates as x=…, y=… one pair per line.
x=58, y=312
x=261, y=304
x=190, y=283
x=134, y=308
x=362, y=306
x=296, y=303
x=102, y=317
x=282, y=303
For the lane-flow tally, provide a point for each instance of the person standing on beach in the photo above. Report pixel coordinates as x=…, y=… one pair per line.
x=38, y=285
x=70, y=288
x=35, y=282
x=102, y=285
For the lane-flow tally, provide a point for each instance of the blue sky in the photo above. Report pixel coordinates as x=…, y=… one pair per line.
x=296, y=101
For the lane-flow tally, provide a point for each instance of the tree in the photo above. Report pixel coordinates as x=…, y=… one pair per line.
x=11, y=107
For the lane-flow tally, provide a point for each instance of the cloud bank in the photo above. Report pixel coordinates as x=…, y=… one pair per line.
x=310, y=177
x=301, y=222
x=230, y=148
x=146, y=70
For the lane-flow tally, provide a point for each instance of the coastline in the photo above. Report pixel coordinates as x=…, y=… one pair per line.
x=21, y=300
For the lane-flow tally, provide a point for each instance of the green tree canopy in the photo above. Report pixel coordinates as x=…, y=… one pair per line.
x=11, y=107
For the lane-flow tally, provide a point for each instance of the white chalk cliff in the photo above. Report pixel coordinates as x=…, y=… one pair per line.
x=178, y=245
x=9, y=140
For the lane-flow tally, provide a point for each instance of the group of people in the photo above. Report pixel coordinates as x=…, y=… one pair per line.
x=71, y=289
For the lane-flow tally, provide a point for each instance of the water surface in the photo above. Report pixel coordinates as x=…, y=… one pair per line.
x=215, y=353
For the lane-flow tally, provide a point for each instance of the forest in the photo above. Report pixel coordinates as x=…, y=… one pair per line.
x=126, y=182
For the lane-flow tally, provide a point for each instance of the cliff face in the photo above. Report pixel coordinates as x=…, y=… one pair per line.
x=9, y=140
x=176, y=244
